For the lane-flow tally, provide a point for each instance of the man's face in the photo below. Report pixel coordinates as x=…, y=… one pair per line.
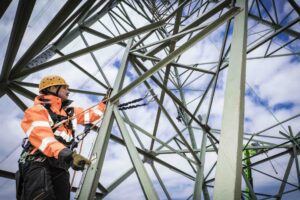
x=63, y=91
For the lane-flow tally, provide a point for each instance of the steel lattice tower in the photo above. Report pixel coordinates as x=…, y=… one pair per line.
x=156, y=40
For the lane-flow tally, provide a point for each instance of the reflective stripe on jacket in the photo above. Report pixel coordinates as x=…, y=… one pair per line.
x=37, y=124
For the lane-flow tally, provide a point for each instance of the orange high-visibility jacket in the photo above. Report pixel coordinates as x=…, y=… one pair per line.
x=37, y=124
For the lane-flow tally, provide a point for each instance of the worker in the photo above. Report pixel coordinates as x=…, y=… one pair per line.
x=46, y=158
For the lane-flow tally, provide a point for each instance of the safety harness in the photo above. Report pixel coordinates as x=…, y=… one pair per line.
x=28, y=147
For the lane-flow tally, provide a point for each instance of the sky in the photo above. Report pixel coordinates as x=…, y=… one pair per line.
x=272, y=95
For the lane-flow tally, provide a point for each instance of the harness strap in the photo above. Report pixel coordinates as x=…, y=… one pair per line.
x=28, y=147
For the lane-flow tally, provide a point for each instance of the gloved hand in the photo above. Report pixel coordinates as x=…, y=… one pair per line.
x=79, y=161
x=74, y=159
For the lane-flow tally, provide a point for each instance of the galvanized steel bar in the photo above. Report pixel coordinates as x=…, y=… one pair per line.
x=285, y=177
x=16, y=100
x=21, y=20
x=90, y=180
x=176, y=53
x=143, y=177
x=46, y=35
x=90, y=49
x=229, y=165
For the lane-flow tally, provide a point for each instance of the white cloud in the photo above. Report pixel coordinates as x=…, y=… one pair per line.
x=274, y=81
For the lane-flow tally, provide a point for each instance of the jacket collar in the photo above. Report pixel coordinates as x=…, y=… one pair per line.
x=54, y=101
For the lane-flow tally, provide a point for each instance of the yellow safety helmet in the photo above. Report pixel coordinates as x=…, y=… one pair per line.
x=51, y=80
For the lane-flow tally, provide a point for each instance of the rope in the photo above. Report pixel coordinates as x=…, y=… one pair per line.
x=81, y=136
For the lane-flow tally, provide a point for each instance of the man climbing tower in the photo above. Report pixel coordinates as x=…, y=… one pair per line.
x=46, y=158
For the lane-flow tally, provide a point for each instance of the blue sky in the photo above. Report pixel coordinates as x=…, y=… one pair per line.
x=272, y=90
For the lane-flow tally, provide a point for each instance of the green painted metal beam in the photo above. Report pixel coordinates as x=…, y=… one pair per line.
x=89, y=181
x=46, y=35
x=229, y=164
x=218, y=7
x=90, y=49
x=285, y=177
x=3, y=6
x=21, y=20
x=24, y=92
x=214, y=25
x=200, y=170
x=16, y=100
x=142, y=175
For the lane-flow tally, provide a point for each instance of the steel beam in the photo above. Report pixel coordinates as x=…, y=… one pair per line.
x=84, y=71
x=46, y=35
x=258, y=162
x=3, y=6
x=119, y=180
x=252, y=193
x=24, y=92
x=21, y=19
x=96, y=61
x=295, y=6
x=70, y=89
x=200, y=170
x=273, y=126
x=268, y=174
x=214, y=25
x=154, y=158
x=169, y=117
x=229, y=164
x=90, y=49
x=7, y=174
x=16, y=100
x=282, y=29
x=160, y=141
x=142, y=175
x=89, y=181
x=161, y=182
x=101, y=35
x=296, y=148
x=76, y=18
x=199, y=178
x=174, y=98
x=285, y=177
x=89, y=22
x=60, y=44
x=221, y=5
x=175, y=64
x=288, y=31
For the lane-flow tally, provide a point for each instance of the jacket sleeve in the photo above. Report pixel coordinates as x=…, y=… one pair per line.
x=90, y=115
x=36, y=125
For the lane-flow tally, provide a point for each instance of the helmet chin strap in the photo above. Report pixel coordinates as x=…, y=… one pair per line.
x=57, y=91
x=53, y=93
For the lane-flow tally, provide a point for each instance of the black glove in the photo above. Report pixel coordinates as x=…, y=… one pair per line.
x=79, y=161
x=74, y=159
x=65, y=155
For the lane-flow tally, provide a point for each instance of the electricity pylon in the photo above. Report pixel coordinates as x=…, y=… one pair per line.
x=158, y=41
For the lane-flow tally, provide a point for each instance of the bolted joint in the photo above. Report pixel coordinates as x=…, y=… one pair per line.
x=207, y=128
x=148, y=159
